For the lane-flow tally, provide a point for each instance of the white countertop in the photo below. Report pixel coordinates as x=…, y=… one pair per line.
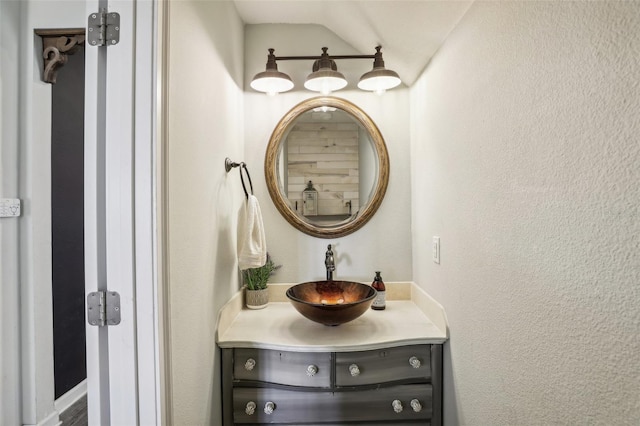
x=411, y=317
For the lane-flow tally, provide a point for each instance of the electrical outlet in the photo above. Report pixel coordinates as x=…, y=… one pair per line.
x=9, y=207
x=435, y=255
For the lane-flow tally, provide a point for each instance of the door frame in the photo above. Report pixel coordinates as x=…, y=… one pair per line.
x=125, y=363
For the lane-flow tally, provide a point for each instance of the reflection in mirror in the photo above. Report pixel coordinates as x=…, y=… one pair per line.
x=326, y=167
x=329, y=169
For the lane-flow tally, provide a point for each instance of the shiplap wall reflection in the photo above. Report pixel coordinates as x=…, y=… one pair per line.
x=327, y=154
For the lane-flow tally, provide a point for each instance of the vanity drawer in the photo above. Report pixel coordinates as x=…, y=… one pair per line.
x=268, y=405
x=287, y=368
x=383, y=365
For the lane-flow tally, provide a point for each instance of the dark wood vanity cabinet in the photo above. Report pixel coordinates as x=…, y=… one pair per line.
x=399, y=385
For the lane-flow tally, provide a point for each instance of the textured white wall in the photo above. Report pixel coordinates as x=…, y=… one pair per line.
x=205, y=126
x=384, y=243
x=526, y=162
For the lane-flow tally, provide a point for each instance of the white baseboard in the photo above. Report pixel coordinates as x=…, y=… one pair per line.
x=69, y=398
x=52, y=420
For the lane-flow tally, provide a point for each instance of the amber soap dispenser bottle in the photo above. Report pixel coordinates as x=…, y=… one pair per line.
x=379, y=302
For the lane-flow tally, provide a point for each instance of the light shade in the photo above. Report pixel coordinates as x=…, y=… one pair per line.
x=325, y=77
x=325, y=81
x=271, y=82
x=378, y=80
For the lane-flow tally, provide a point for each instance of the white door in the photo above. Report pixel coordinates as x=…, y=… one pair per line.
x=122, y=360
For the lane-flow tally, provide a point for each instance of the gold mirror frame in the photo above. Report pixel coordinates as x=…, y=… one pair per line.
x=271, y=168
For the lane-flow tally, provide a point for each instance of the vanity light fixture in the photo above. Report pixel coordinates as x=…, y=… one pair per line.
x=325, y=77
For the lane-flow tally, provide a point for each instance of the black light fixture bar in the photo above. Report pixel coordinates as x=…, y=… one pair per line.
x=314, y=58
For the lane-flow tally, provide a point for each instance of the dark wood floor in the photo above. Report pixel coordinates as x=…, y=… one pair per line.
x=76, y=415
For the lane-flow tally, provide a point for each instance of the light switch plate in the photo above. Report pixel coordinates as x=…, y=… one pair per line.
x=9, y=207
x=436, y=250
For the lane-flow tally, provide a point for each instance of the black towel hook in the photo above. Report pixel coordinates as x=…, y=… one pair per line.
x=228, y=165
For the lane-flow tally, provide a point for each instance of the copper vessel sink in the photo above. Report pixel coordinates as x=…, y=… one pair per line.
x=331, y=302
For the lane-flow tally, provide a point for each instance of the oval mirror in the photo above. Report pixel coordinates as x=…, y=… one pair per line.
x=327, y=167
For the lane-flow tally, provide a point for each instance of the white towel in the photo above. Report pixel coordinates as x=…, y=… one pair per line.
x=252, y=244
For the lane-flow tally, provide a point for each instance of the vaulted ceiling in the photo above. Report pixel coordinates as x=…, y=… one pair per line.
x=410, y=32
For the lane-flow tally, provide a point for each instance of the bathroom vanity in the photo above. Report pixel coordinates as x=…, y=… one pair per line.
x=281, y=368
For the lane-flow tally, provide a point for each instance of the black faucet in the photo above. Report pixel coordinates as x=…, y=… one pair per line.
x=329, y=263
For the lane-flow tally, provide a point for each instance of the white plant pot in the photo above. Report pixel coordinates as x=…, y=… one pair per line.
x=256, y=299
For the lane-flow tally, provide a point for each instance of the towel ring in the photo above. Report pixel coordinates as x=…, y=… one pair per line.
x=228, y=165
x=243, y=165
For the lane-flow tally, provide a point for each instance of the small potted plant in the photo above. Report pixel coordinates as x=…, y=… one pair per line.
x=255, y=281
